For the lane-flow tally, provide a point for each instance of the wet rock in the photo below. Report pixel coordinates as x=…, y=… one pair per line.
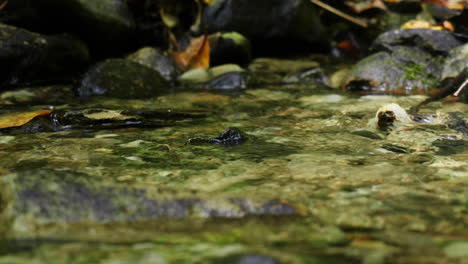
x=402, y=71
x=228, y=48
x=223, y=77
x=457, y=121
x=367, y=134
x=36, y=199
x=456, y=62
x=396, y=148
x=265, y=20
x=26, y=56
x=122, y=79
x=450, y=146
x=435, y=42
x=227, y=82
x=107, y=24
x=390, y=116
x=156, y=60
x=256, y=259
x=230, y=137
x=94, y=118
x=277, y=71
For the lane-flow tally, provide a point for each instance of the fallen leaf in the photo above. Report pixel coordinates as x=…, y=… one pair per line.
x=447, y=25
x=3, y=4
x=17, y=120
x=196, y=55
x=420, y=24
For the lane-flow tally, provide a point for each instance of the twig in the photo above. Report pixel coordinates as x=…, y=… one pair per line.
x=337, y=12
x=461, y=88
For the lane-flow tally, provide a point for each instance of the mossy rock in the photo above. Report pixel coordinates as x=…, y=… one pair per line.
x=34, y=201
x=123, y=79
x=406, y=70
x=456, y=62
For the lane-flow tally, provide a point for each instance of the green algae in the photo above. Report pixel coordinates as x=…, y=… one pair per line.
x=355, y=199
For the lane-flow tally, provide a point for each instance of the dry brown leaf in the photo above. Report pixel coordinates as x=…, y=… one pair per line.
x=17, y=120
x=196, y=55
x=447, y=25
x=3, y=4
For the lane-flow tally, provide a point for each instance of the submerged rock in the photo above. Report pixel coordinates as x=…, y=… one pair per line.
x=94, y=118
x=230, y=137
x=156, y=60
x=256, y=259
x=450, y=146
x=35, y=200
x=228, y=81
x=266, y=19
x=26, y=56
x=122, y=79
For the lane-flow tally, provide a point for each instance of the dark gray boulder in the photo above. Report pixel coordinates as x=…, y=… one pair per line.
x=265, y=19
x=26, y=56
x=435, y=42
x=122, y=78
x=107, y=24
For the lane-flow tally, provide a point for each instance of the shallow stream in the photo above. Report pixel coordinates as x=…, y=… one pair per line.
x=313, y=183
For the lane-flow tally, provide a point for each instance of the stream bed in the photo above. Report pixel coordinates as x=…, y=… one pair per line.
x=314, y=182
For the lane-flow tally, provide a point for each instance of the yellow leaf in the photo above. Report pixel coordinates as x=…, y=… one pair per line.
x=20, y=119
x=420, y=24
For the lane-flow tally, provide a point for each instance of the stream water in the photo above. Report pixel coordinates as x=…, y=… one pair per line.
x=313, y=183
